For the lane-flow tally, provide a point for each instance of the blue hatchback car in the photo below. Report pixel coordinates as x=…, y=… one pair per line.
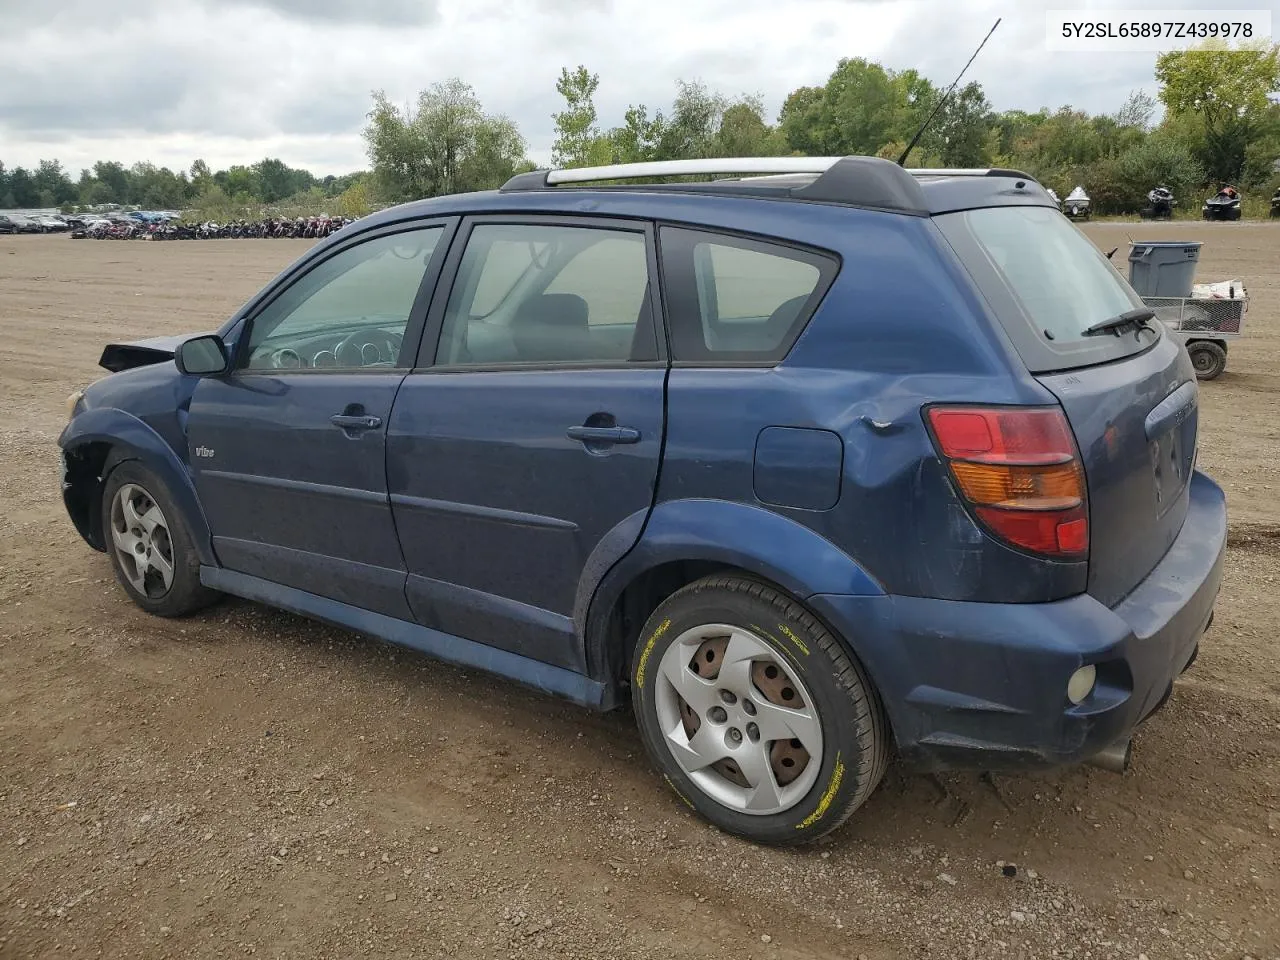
x=818, y=463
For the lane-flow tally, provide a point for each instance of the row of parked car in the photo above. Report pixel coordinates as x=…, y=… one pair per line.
x=61, y=223
x=19, y=223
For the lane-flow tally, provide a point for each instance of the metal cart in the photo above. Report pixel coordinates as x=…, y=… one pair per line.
x=1204, y=324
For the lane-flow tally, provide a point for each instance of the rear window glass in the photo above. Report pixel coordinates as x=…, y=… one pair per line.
x=738, y=299
x=1047, y=284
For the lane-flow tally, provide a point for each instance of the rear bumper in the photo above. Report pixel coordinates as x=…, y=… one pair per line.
x=984, y=685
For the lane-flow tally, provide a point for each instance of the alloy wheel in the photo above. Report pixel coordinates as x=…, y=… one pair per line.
x=141, y=540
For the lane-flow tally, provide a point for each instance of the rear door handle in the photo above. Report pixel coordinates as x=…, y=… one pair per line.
x=604, y=434
x=352, y=422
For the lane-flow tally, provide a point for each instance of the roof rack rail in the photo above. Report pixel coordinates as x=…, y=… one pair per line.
x=855, y=180
x=968, y=172
x=858, y=181
x=681, y=168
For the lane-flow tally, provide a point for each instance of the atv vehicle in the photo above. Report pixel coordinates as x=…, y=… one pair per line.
x=1160, y=204
x=1224, y=205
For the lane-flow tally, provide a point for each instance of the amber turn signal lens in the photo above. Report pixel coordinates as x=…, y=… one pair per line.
x=1057, y=487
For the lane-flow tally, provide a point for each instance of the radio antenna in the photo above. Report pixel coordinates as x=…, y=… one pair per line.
x=902, y=160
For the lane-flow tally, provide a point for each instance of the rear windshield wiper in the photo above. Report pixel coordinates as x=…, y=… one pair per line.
x=1130, y=318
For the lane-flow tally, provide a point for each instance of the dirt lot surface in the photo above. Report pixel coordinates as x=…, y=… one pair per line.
x=250, y=783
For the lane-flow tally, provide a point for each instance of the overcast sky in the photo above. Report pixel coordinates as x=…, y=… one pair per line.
x=232, y=81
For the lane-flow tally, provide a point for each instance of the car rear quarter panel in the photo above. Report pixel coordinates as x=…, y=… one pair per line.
x=900, y=328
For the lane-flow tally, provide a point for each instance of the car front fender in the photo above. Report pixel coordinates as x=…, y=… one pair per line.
x=129, y=438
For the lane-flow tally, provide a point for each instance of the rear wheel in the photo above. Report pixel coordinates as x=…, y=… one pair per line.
x=754, y=712
x=1209, y=359
x=150, y=546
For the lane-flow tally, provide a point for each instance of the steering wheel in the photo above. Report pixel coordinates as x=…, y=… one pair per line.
x=354, y=349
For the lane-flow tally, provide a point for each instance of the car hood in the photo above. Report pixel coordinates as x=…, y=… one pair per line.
x=140, y=353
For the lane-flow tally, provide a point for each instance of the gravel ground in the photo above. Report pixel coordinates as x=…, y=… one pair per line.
x=246, y=782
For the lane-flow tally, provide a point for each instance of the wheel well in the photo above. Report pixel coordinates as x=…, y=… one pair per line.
x=85, y=466
x=636, y=603
x=645, y=594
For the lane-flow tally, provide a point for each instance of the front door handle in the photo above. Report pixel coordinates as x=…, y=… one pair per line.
x=590, y=435
x=349, y=421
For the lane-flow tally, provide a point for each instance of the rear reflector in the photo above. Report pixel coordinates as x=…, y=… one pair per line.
x=1018, y=469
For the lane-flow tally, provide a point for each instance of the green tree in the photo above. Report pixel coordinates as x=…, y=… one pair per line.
x=578, y=140
x=744, y=132
x=94, y=192
x=201, y=177
x=690, y=131
x=53, y=183
x=799, y=119
x=1119, y=184
x=116, y=178
x=239, y=180
x=356, y=200
x=444, y=144
x=636, y=141
x=274, y=182
x=1228, y=90
x=1137, y=110
x=860, y=109
x=277, y=180
x=960, y=134
x=22, y=189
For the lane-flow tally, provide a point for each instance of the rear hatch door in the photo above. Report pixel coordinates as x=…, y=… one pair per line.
x=1129, y=393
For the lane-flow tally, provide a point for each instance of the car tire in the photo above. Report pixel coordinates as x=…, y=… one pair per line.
x=1208, y=358
x=756, y=715
x=146, y=541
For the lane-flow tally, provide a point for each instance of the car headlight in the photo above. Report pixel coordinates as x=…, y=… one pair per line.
x=75, y=404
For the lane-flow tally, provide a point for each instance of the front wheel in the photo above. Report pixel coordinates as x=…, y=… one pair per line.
x=150, y=546
x=755, y=714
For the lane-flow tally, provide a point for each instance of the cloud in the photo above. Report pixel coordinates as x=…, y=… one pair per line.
x=392, y=13
x=138, y=80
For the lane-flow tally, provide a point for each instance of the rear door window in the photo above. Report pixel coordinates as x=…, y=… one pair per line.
x=545, y=293
x=1047, y=284
x=733, y=299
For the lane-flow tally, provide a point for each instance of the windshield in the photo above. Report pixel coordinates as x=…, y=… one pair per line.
x=1047, y=285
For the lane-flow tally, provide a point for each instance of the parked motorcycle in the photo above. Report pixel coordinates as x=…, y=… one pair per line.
x=130, y=228
x=1160, y=203
x=1224, y=205
x=1077, y=204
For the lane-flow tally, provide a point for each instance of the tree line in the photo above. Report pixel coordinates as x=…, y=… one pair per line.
x=1219, y=125
x=269, y=182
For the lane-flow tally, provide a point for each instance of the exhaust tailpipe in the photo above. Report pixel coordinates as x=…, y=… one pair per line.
x=1114, y=758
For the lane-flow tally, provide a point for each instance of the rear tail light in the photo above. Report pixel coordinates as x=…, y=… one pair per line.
x=1019, y=470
